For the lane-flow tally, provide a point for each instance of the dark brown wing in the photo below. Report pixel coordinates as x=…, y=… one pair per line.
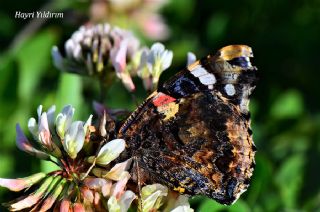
x=194, y=135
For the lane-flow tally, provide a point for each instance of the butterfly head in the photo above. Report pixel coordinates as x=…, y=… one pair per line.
x=236, y=56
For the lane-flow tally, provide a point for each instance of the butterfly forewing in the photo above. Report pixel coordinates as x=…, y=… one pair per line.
x=193, y=134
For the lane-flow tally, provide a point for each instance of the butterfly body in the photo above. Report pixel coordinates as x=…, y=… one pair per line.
x=193, y=134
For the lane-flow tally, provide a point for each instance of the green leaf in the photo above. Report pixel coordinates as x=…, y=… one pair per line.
x=290, y=178
x=70, y=93
x=182, y=9
x=287, y=105
x=217, y=26
x=261, y=179
x=34, y=57
x=210, y=205
x=239, y=206
x=7, y=71
x=48, y=166
x=6, y=163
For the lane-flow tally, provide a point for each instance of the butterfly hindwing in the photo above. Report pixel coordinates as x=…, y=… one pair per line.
x=193, y=135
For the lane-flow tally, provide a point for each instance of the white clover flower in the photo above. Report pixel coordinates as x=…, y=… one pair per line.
x=152, y=196
x=64, y=120
x=123, y=203
x=78, y=185
x=74, y=139
x=49, y=122
x=153, y=63
x=96, y=50
x=24, y=144
x=109, y=152
x=41, y=130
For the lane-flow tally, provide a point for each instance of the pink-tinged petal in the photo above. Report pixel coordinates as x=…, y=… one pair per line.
x=78, y=207
x=106, y=189
x=99, y=184
x=94, y=183
x=133, y=45
x=102, y=125
x=36, y=207
x=154, y=27
x=44, y=132
x=126, y=200
x=13, y=184
x=87, y=194
x=127, y=81
x=121, y=55
x=33, y=198
x=118, y=188
x=117, y=171
x=24, y=145
x=97, y=201
x=26, y=202
x=45, y=136
x=47, y=204
x=21, y=183
x=118, y=56
x=65, y=206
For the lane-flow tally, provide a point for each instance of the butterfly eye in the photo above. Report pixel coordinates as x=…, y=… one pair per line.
x=243, y=62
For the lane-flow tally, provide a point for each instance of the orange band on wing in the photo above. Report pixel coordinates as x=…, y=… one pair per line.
x=162, y=99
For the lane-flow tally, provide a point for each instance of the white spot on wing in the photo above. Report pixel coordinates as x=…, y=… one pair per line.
x=204, y=76
x=198, y=71
x=208, y=79
x=230, y=90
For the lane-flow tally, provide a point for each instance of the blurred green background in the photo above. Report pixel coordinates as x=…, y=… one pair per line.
x=285, y=106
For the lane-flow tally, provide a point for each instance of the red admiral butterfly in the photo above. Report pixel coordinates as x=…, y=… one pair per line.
x=193, y=134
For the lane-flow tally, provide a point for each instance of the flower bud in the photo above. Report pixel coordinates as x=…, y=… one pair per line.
x=109, y=152
x=74, y=139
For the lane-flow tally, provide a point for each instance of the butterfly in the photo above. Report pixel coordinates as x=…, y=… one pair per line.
x=193, y=134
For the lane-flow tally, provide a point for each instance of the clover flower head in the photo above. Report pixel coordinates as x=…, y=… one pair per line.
x=94, y=50
x=153, y=62
x=86, y=180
